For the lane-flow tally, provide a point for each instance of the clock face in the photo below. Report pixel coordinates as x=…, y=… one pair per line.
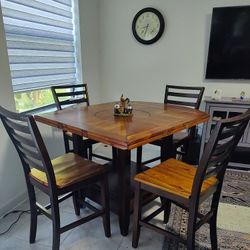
x=148, y=25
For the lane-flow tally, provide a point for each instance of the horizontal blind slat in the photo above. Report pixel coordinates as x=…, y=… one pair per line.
x=40, y=42
x=66, y=2
x=24, y=80
x=39, y=46
x=10, y=29
x=40, y=72
x=47, y=6
x=36, y=53
x=21, y=59
x=36, y=26
x=24, y=38
x=27, y=13
x=26, y=66
x=42, y=85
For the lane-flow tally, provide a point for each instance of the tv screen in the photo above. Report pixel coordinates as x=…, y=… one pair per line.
x=229, y=46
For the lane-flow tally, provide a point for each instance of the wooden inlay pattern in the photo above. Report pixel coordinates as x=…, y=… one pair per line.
x=150, y=121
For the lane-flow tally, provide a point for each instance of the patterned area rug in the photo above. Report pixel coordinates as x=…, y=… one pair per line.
x=235, y=191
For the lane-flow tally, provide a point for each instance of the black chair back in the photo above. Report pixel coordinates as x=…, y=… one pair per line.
x=24, y=134
x=218, y=151
x=65, y=95
x=184, y=95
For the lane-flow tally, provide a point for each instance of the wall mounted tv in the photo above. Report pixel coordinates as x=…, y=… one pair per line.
x=229, y=46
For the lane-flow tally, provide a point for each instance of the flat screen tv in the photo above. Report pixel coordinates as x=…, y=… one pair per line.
x=229, y=45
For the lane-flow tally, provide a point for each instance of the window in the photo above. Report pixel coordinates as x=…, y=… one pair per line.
x=41, y=47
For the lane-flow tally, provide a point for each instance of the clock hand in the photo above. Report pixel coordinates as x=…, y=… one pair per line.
x=146, y=30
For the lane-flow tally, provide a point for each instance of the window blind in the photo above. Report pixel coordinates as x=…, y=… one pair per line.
x=40, y=42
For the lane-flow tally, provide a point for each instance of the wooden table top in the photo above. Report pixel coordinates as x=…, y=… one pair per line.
x=150, y=121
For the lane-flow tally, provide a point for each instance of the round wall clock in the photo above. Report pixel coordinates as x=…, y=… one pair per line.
x=148, y=25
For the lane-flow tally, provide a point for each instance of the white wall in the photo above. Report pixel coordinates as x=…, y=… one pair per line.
x=179, y=57
x=90, y=38
x=12, y=185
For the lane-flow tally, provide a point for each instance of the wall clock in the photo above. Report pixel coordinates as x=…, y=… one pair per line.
x=148, y=25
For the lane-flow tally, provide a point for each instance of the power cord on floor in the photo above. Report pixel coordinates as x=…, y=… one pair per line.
x=19, y=216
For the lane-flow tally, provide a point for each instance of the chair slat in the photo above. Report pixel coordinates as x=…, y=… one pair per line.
x=29, y=152
x=228, y=132
x=185, y=87
x=33, y=163
x=71, y=93
x=219, y=158
x=17, y=126
x=187, y=95
x=72, y=101
x=222, y=147
x=183, y=103
x=24, y=140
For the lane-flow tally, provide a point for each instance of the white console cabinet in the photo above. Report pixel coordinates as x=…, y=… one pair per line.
x=224, y=108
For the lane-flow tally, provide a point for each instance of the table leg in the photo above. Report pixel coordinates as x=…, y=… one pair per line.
x=79, y=147
x=123, y=167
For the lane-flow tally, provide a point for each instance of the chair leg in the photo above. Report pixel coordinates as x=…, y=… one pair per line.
x=56, y=223
x=105, y=205
x=212, y=224
x=90, y=152
x=191, y=228
x=213, y=232
x=66, y=143
x=114, y=155
x=167, y=209
x=139, y=156
x=136, y=216
x=33, y=213
x=75, y=197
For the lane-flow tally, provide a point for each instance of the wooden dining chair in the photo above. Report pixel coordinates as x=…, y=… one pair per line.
x=188, y=186
x=188, y=96
x=66, y=95
x=60, y=178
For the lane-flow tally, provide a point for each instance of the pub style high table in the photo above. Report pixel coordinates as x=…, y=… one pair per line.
x=150, y=121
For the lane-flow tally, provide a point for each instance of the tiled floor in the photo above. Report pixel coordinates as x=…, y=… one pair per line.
x=90, y=236
x=87, y=236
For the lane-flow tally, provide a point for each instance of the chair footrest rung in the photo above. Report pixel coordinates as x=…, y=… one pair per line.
x=44, y=210
x=151, y=160
x=101, y=157
x=162, y=231
x=81, y=221
x=152, y=215
x=203, y=219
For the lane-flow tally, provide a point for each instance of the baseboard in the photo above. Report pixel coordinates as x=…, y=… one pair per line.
x=13, y=203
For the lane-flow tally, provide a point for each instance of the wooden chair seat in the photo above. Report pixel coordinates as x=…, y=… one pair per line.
x=69, y=169
x=175, y=177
